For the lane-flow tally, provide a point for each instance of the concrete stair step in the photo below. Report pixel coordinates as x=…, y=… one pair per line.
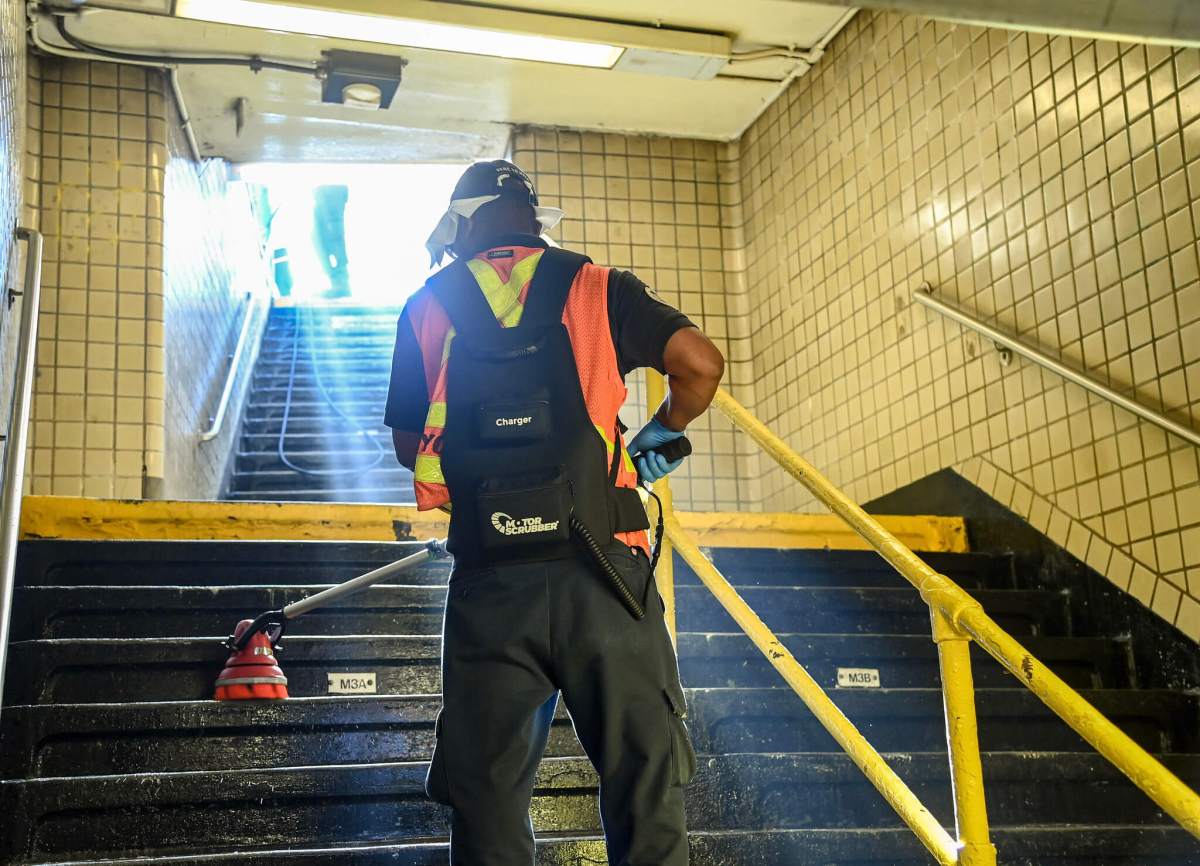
x=99, y=739
x=336, y=439
x=313, y=425
x=64, y=818
x=353, y=404
x=205, y=563
x=182, y=611
x=248, y=462
x=96, y=670
x=339, y=392
x=1096, y=845
x=316, y=410
x=313, y=368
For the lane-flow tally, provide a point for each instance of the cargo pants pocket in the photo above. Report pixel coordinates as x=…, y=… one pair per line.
x=437, y=780
x=683, y=754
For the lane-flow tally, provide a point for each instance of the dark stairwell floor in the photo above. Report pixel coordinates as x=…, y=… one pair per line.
x=112, y=752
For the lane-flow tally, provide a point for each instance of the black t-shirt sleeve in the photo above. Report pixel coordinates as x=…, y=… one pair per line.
x=408, y=394
x=641, y=324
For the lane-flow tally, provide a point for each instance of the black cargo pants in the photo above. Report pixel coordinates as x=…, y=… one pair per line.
x=514, y=636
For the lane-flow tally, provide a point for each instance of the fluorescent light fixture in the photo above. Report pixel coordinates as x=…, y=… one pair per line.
x=401, y=31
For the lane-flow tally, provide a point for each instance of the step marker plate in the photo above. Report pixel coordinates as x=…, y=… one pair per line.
x=858, y=678
x=352, y=684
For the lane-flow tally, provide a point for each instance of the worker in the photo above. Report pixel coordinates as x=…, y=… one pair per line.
x=506, y=381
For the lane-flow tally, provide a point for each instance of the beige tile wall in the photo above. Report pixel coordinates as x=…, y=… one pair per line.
x=655, y=206
x=98, y=138
x=1050, y=184
x=215, y=276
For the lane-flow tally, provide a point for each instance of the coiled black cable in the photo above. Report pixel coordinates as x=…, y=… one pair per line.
x=605, y=565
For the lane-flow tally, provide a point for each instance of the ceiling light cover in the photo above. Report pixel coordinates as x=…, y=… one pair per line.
x=400, y=31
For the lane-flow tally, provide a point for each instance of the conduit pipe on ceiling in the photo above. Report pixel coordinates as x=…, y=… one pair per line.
x=185, y=120
x=807, y=61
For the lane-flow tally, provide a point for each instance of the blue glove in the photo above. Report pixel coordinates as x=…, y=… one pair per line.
x=652, y=466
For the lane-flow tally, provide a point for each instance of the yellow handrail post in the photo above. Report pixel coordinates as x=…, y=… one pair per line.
x=656, y=392
x=898, y=795
x=962, y=739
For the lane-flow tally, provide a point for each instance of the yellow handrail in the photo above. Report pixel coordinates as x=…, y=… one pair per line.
x=956, y=619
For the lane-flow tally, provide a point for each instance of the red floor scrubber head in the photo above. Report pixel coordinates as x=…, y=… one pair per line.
x=252, y=673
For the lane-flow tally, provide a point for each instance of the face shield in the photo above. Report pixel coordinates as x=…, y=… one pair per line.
x=448, y=227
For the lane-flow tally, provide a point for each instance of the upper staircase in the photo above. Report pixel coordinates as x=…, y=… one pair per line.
x=113, y=752
x=325, y=368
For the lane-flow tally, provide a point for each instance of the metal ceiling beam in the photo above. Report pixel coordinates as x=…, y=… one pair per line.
x=1166, y=22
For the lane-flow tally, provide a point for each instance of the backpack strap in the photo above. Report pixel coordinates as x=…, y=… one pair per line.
x=456, y=290
x=551, y=285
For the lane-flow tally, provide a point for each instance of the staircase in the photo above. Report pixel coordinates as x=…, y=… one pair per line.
x=333, y=399
x=111, y=752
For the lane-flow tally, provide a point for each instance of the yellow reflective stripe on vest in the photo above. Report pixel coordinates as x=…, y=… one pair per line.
x=428, y=470
x=436, y=416
x=505, y=298
x=626, y=460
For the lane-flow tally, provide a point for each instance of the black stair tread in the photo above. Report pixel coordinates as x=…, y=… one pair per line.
x=852, y=567
x=335, y=433
x=163, y=611
x=332, y=372
x=299, y=408
x=95, y=670
x=248, y=463
x=265, y=395
x=377, y=802
x=171, y=562
x=96, y=739
x=407, y=778
x=146, y=562
x=253, y=427
x=1095, y=845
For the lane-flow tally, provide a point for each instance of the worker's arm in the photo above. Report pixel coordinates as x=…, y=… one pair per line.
x=405, y=444
x=694, y=368
x=408, y=395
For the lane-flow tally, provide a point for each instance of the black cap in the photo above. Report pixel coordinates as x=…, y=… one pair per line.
x=496, y=177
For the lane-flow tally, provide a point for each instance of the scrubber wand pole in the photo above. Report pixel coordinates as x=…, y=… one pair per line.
x=276, y=620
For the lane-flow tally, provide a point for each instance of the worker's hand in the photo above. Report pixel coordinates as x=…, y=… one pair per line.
x=651, y=465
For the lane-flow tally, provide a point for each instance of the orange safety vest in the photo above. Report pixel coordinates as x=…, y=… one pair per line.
x=504, y=282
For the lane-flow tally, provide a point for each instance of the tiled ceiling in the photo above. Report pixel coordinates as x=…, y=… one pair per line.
x=457, y=106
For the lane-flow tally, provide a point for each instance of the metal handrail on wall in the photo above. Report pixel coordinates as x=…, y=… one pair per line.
x=956, y=620
x=18, y=431
x=1005, y=342
x=217, y=421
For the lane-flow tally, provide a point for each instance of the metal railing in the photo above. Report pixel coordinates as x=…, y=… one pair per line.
x=924, y=296
x=18, y=430
x=217, y=421
x=956, y=620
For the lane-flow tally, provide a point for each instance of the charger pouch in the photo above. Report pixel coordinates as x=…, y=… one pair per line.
x=513, y=422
